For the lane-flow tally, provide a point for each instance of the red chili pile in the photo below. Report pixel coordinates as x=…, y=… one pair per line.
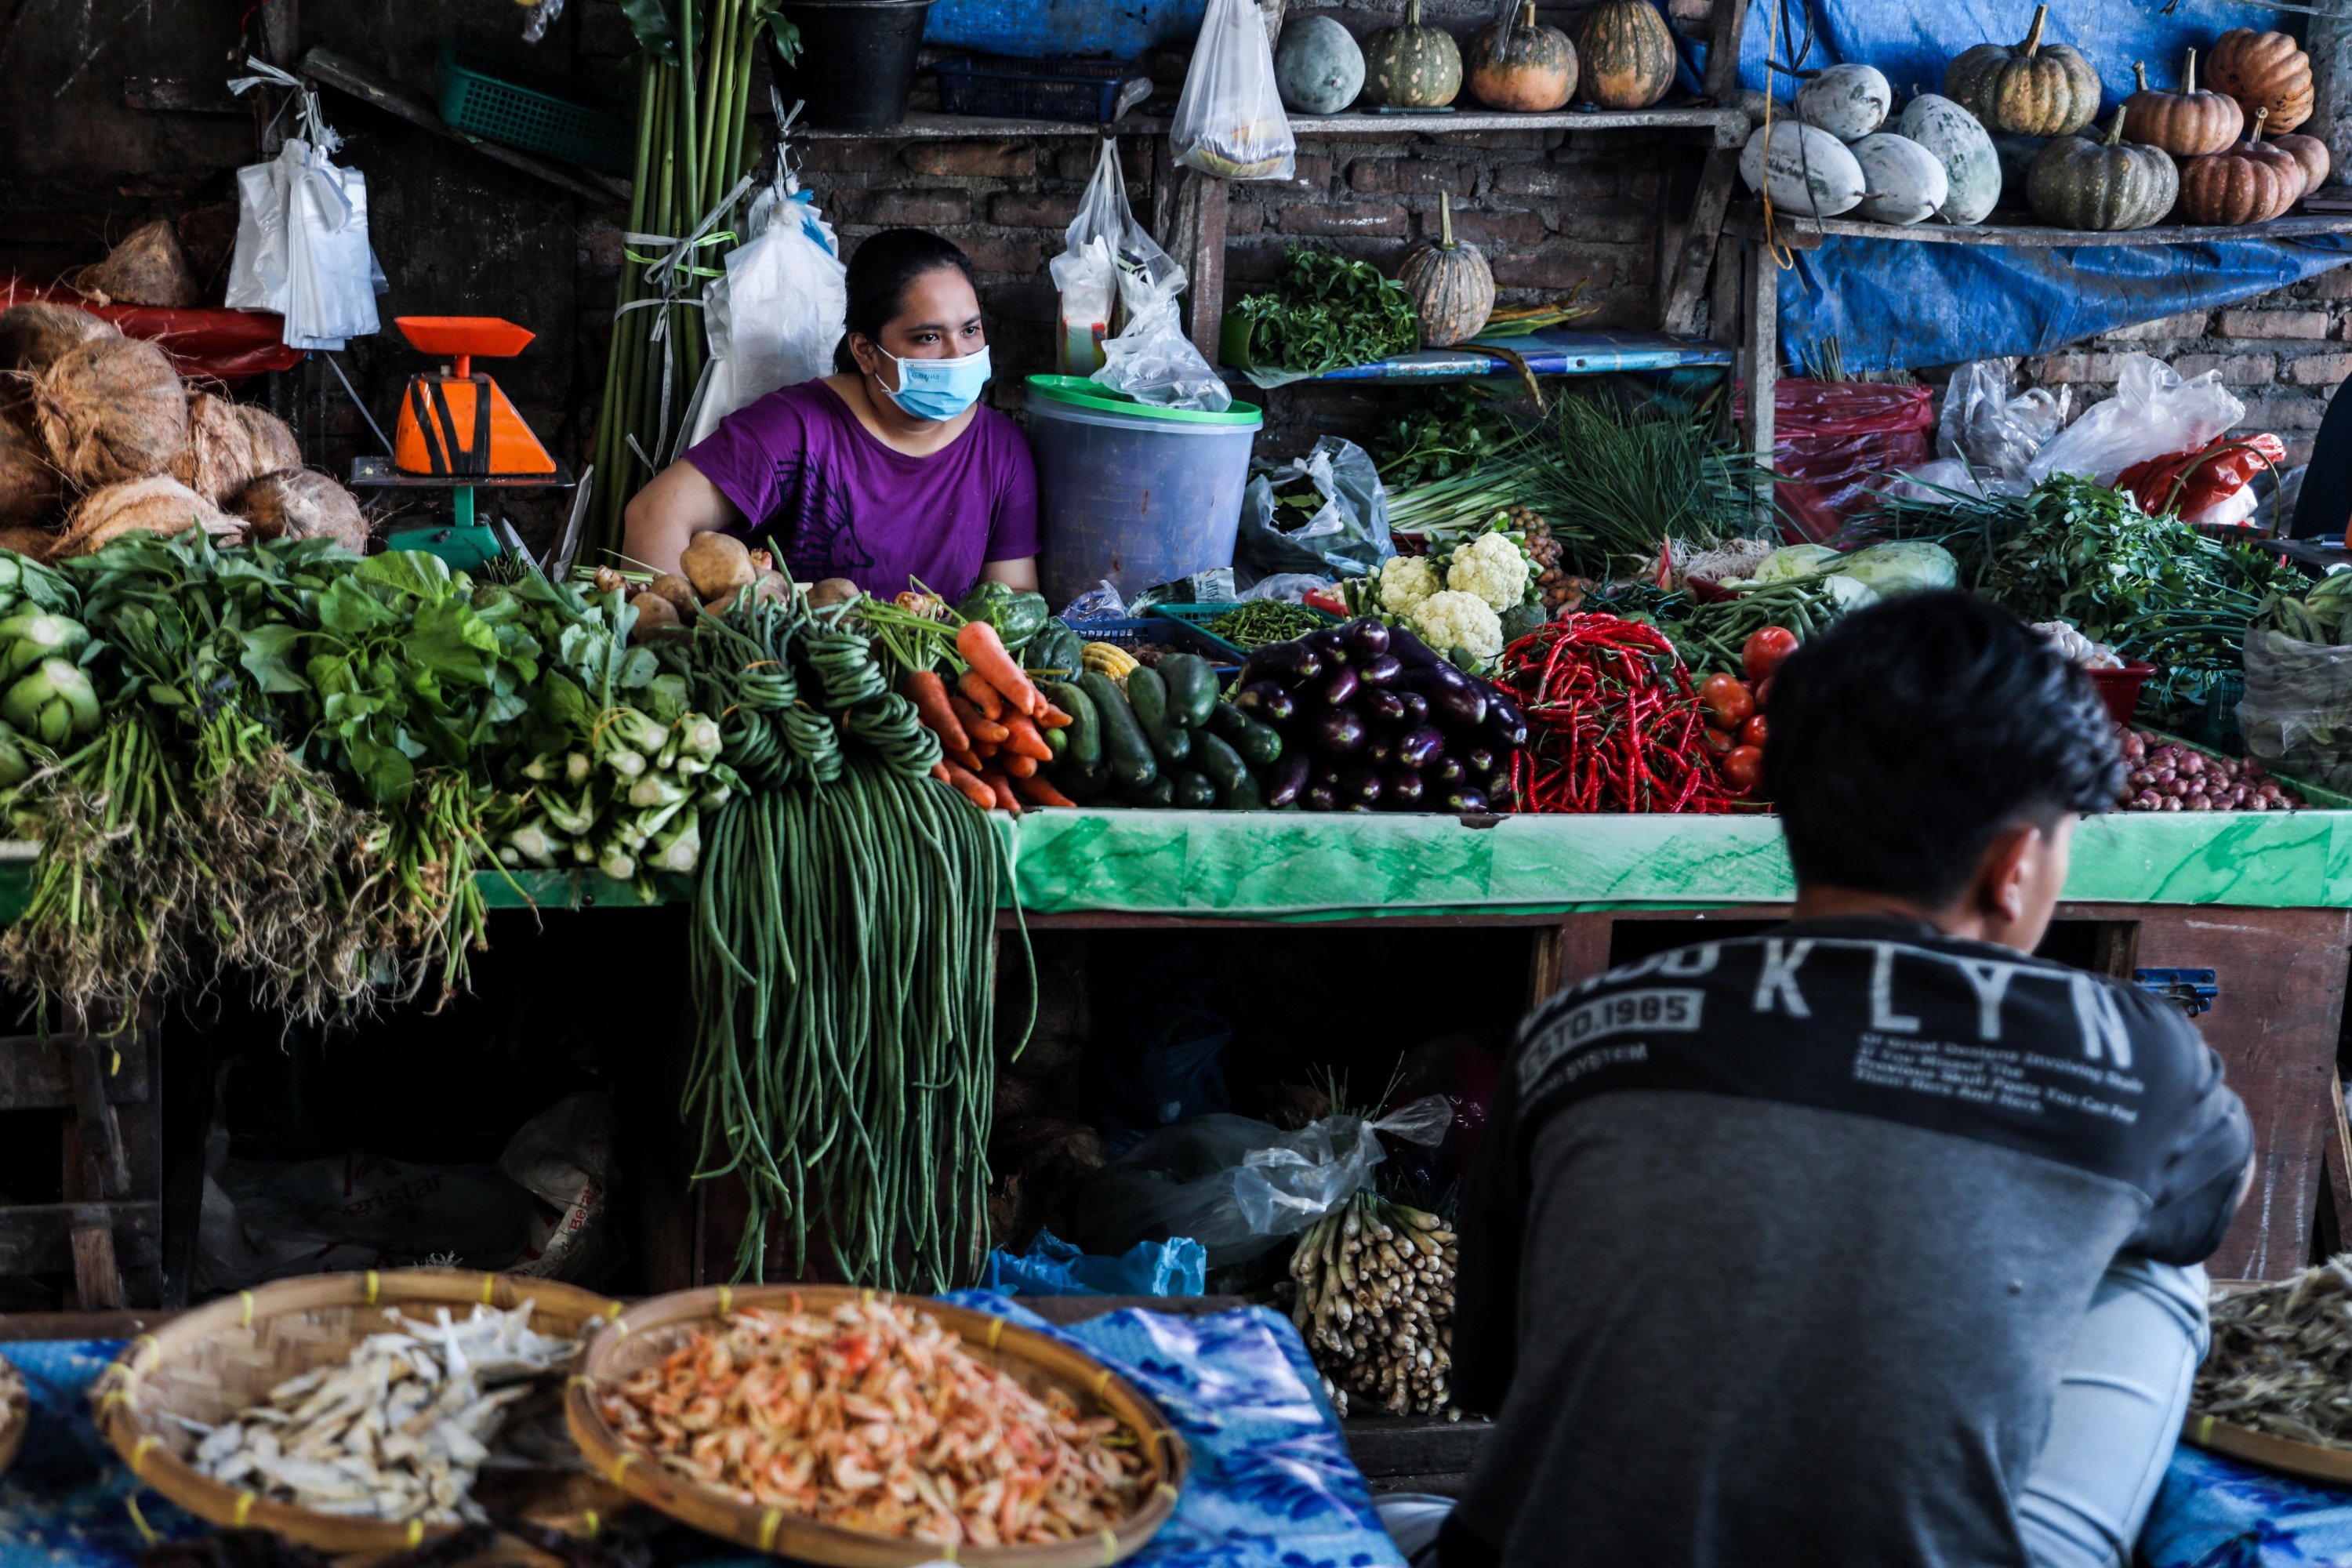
x=1613, y=723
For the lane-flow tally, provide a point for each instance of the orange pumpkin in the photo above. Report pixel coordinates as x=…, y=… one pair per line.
x=2186, y=123
x=2311, y=153
x=2251, y=183
x=2263, y=70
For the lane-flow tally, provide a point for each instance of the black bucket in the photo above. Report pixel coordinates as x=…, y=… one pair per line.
x=856, y=62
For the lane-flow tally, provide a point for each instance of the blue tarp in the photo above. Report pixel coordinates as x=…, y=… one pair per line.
x=1120, y=29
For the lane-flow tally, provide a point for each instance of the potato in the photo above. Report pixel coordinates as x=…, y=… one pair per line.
x=656, y=617
x=773, y=585
x=715, y=565
x=680, y=594
x=832, y=591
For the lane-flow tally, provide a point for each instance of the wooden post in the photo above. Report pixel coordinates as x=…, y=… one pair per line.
x=1199, y=242
x=1763, y=351
x=1682, y=281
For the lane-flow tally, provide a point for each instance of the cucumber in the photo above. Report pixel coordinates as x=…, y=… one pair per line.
x=1125, y=750
x=1235, y=788
x=1085, y=728
x=1159, y=794
x=1259, y=744
x=1192, y=792
x=1076, y=782
x=1191, y=688
x=1147, y=693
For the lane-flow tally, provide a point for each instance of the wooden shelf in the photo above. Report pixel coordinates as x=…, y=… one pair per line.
x=930, y=125
x=1746, y=221
x=1558, y=352
x=1727, y=127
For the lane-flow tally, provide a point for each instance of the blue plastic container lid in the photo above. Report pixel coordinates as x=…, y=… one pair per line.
x=1077, y=392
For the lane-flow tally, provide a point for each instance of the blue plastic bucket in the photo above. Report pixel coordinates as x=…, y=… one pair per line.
x=1132, y=494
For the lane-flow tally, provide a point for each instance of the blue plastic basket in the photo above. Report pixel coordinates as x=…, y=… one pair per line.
x=1084, y=91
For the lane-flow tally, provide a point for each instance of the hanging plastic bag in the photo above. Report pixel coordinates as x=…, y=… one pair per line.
x=2153, y=414
x=1239, y=1186
x=302, y=232
x=1154, y=361
x=1112, y=271
x=773, y=320
x=1347, y=536
x=1995, y=433
x=2298, y=711
x=1229, y=122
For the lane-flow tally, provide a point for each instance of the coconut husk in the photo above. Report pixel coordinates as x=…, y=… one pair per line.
x=272, y=439
x=34, y=336
x=31, y=488
x=230, y=446
x=301, y=503
x=157, y=504
x=33, y=544
x=112, y=410
x=147, y=268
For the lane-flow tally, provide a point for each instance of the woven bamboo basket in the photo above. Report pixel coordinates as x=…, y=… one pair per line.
x=652, y=1329
x=2285, y=1455
x=224, y=1358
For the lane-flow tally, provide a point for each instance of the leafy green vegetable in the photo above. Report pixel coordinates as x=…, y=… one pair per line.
x=1325, y=311
x=1443, y=434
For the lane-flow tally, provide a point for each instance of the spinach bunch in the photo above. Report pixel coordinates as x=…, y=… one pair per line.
x=1325, y=312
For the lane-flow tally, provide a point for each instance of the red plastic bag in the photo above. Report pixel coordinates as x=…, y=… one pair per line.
x=2191, y=483
x=227, y=346
x=1836, y=443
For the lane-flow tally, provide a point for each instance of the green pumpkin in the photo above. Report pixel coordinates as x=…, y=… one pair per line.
x=1625, y=54
x=1411, y=67
x=1520, y=64
x=2030, y=89
x=1450, y=285
x=2107, y=184
x=1317, y=69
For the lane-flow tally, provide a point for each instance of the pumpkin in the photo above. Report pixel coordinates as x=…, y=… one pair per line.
x=1847, y=101
x=1626, y=53
x=2107, y=183
x=2309, y=151
x=2188, y=123
x=1449, y=283
x=1520, y=64
x=2248, y=183
x=1411, y=67
x=1803, y=169
x=1317, y=67
x=1903, y=181
x=2263, y=70
x=1973, y=178
x=2017, y=154
x=2028, y=88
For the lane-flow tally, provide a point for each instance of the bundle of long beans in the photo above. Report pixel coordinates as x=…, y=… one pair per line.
x=694, y=87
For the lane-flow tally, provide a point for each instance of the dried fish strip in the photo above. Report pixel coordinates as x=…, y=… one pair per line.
x=397, y=1430
x=2282, y=1357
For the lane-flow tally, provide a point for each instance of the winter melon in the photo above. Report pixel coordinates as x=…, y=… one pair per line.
x=1903, y=181
x=1959, y=142
x=1848, y=102
x=1806, y=170
x=1318, y=70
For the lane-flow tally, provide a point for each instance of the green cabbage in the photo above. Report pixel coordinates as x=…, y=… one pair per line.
x=1794, y=561
x=1907, y=566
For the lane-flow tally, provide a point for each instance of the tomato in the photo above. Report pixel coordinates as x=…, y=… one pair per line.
x=1751, y=733
x=1764, y=650
x=1763, y=694
x=1743, y=767
x=1726, y=700
x=1717, y=741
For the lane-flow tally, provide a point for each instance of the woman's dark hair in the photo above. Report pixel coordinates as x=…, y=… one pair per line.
x=879, y=272
x=1909, y=735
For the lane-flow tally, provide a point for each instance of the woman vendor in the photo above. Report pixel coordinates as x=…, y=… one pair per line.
x=890, y=468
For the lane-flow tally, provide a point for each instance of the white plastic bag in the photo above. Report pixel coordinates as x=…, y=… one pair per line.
x=1995, y=433
x=1112, y=270
x=1229, y=122
x=302, y=232
x=1154, y=361
x=774, y=318
x=563, y=1158
x=1088, y=283
x=2153, y=414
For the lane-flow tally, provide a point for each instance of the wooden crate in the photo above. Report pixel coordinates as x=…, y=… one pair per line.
x=106, y=1230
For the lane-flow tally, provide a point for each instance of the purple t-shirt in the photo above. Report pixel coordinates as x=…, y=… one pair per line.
x=803, y=470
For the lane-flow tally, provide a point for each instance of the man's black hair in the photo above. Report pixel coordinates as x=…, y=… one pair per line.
x=880, y=272
x=1908, y=736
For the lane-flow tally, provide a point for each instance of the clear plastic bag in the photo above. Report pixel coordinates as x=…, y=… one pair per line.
x=1287, y=587
x=1086, y=281
x=1995, y=433
x=2296, y=715
x=1154, y=361
x=1348, y=536
x=1098, y=604
x=1229, y=122
x=1239, y=1186
x=302, y=232
x=2153, y=414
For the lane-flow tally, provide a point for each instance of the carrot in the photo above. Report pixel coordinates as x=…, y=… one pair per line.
x=976, y=724
x=973, y=789
x=983, y=650
x=1053, y=718
x=928, y=693
x=1018, y=764
x=1022, y=736
x=964, y=757
x=983, y=696
x=984, y=749
x=1038, y=791
x=1003, y=789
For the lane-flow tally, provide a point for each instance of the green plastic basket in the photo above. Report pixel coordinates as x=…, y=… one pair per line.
x=517, y=106
x=1198, y=616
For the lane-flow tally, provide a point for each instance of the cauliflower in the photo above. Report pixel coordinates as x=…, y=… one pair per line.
x=1452, y=619
x=1492, y=567
x=1405, y=581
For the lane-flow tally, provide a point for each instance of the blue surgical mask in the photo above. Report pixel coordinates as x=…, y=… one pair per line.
x=938, y=388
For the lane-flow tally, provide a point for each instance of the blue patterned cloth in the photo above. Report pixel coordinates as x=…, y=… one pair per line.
x=2214, y=1513
x=1272, y=1485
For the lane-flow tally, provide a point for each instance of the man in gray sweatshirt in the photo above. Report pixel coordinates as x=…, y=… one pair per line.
x=1870, y=1241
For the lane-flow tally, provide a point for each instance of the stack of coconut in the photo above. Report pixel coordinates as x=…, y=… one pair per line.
x=100, y=437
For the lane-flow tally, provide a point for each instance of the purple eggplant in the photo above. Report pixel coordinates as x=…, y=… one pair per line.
x=1379, y=750
x=1503, y=797
x=1384, y=710
x=1420, y=748
x=1319, y=797
x=1445, y=772
x=1380, y=670
x=1286, y=663
x=1358, y=786
x=1467, y=802
x=1338, y=688
x=1330, y=645
x=1456, y=702
x=1287, y=780
x=1367, y=636
x=1415, y=653
x=1264, y=699
x=1336, y=732
x=1507, y=726
x=1479, y=761
x=1403, y=790
x=1416, y=709
x=1326, y=774
x=1499, y=782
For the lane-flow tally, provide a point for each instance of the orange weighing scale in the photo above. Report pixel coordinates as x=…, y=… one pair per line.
x=458, y=431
